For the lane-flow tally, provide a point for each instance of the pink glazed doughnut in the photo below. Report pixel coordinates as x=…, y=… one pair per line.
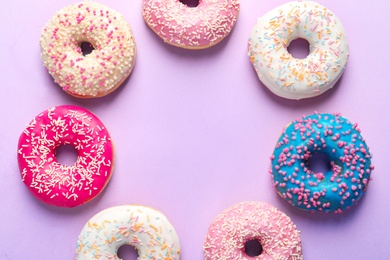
x=191, y=27
x=252, y=221
x=57, y=184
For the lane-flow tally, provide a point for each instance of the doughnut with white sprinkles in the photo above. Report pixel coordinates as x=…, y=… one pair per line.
x=187, y=27
x=144, y=228
x=57, y=184
x=278, y=70
x=349, y=156
x=246, y=221
x=106, y=67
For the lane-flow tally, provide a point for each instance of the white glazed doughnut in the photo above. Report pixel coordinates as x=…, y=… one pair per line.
x=285, y=75
x=146, y=229
x=187, y=27
x=106, y=67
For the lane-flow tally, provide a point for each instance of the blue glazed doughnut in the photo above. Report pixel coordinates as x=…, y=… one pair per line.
x=349, y=156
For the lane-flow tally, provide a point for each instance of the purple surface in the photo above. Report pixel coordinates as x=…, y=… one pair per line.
x=194, y=131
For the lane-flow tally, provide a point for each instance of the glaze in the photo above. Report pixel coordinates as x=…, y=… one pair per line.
x=57, y=184
x=252, y=220
x=100, y=72
x=278, y=70
x=191, y=27
x=146, y=229
x=350, y=159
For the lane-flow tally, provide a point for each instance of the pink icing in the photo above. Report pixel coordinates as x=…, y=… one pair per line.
x=191, y=27
x=52, y=182
x=252, y=220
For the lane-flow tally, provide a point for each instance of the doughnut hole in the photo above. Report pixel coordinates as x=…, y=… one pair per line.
x=66, y=154
x=127, y=252
x=190, y=3
x=299, y=48
x=319, y=163
x=253, y=248
x=86, y=48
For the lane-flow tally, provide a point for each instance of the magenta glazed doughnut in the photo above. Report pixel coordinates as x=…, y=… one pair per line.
x=187, y=27
x=248, y=221
x=57, y=184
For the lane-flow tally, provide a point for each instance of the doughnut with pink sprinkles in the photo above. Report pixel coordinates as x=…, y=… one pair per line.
x=187, y=27
x=341, y=142
x=104, y=69
x=231, y=230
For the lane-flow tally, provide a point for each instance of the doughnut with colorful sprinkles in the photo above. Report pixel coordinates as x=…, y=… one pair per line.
x=290, y=77
x=104, y=69
x=57, y=184
x=144, y=228
x=187, y=27
x=350, y=163
x=250, y=221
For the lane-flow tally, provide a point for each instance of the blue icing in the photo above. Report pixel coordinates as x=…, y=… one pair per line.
x=333, y=191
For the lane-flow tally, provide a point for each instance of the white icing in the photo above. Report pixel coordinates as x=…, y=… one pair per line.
x=290, y=77
x=103, y=70
x=146, y=229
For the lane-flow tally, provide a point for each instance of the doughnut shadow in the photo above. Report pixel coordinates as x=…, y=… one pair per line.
x=193, y=54
x=301, y=103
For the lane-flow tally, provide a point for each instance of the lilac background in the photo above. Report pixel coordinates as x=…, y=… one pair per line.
x=194, y=131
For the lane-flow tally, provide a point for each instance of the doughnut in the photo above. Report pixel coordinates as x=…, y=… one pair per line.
x=106, y=67
x=248, y=221
x=57, y=184
x=350, y=163
x=144, y=228
x=290, y=77
x=187, y=27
